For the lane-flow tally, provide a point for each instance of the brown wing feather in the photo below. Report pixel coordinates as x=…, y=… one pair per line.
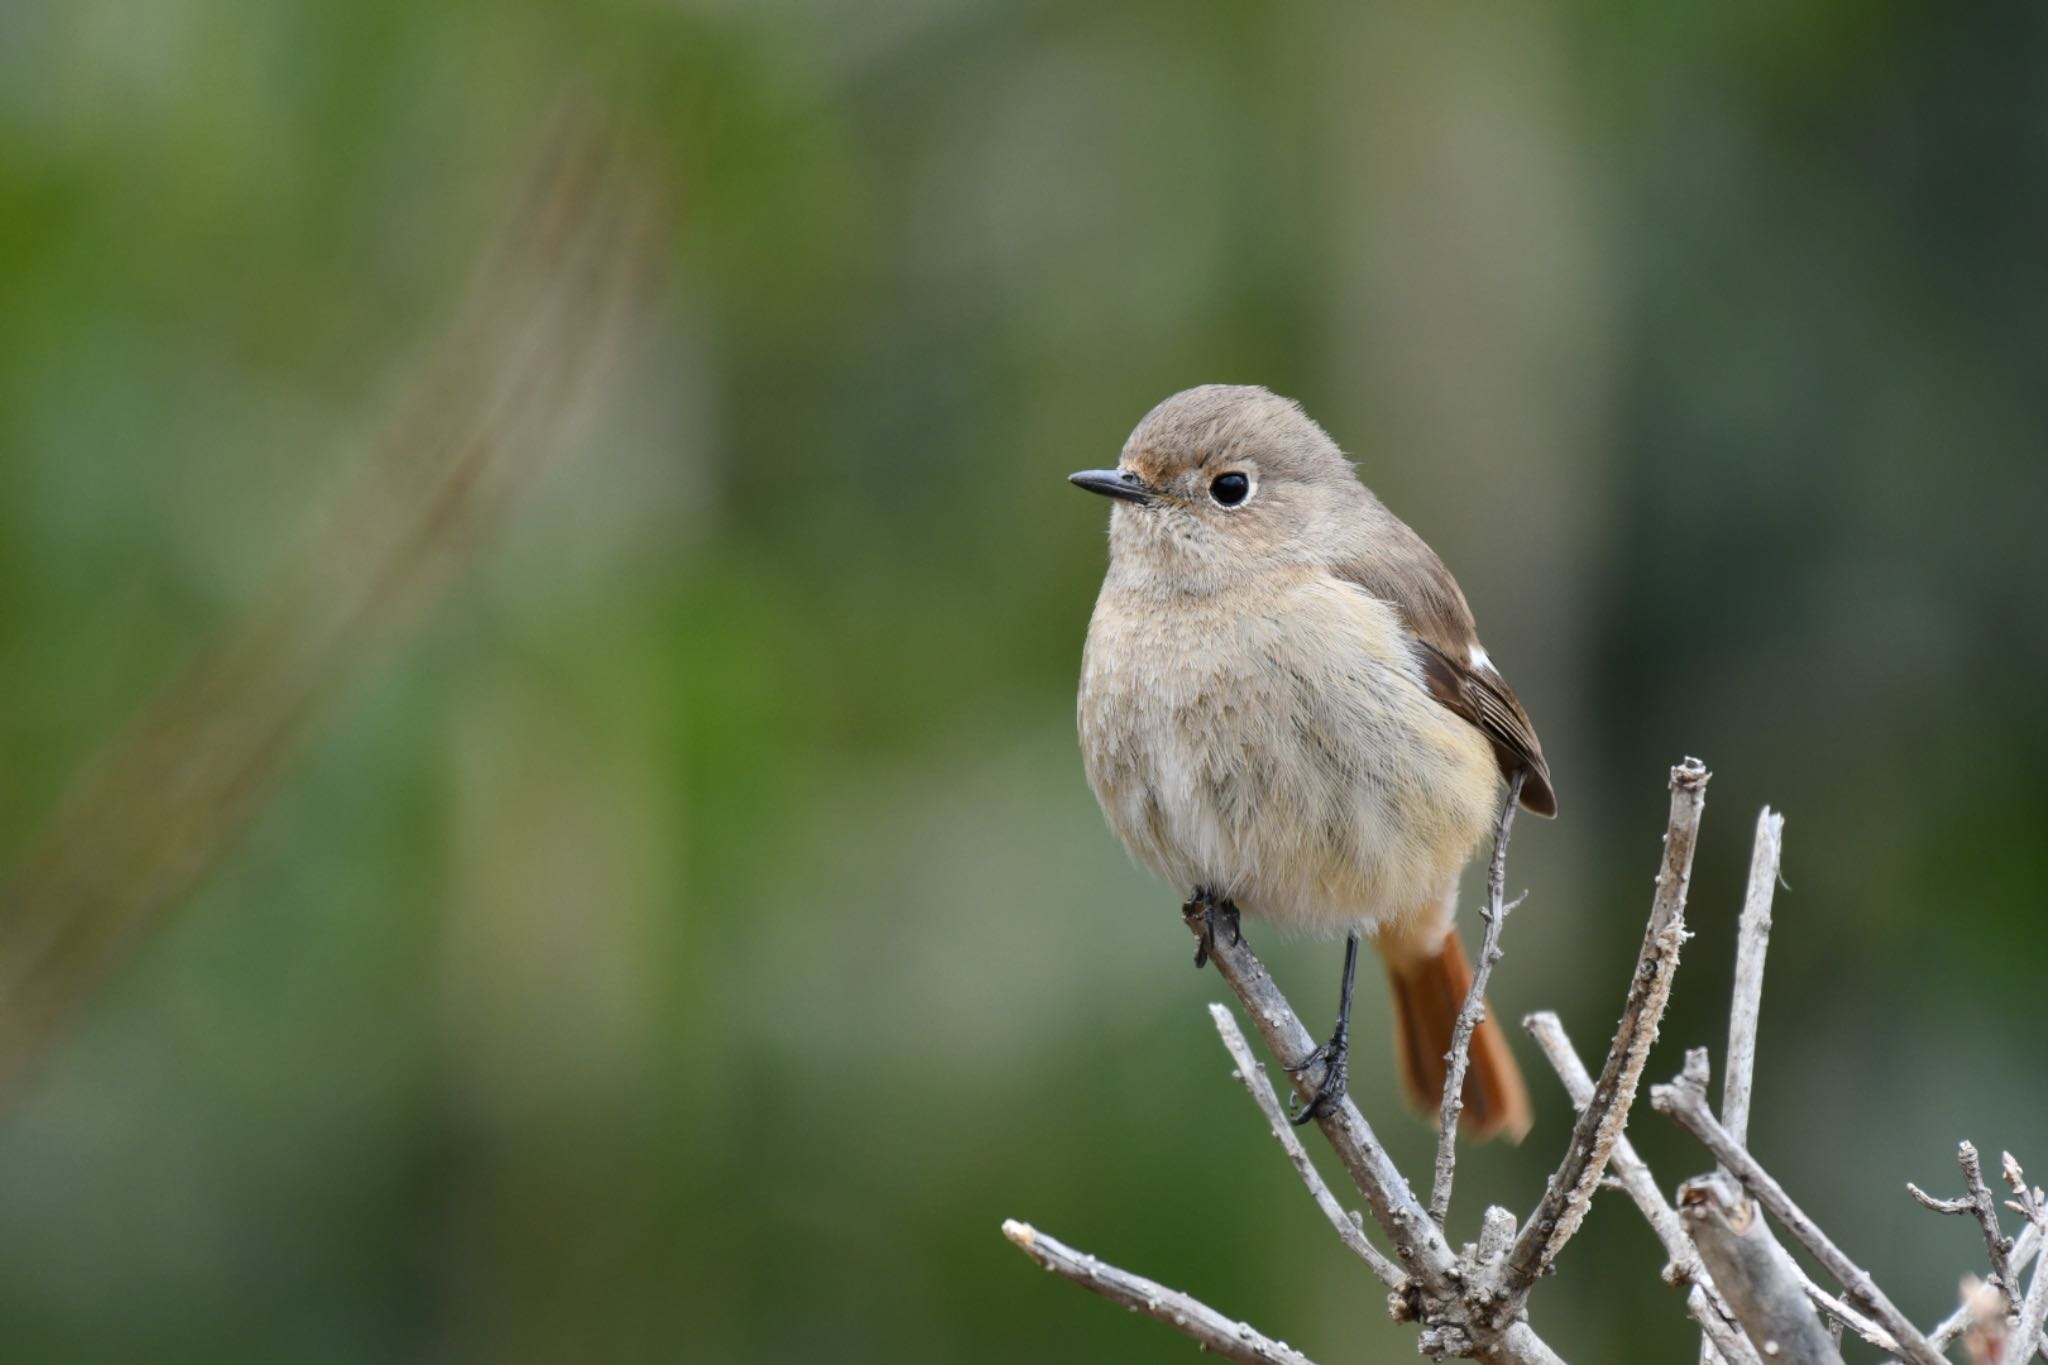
x=1489, y=703
x=1406, y=573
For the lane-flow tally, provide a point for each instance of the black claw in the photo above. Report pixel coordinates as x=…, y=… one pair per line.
x=1214, y=914
x=1334, y=1057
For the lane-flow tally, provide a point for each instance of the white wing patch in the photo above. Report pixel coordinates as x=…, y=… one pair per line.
x=1479, y=659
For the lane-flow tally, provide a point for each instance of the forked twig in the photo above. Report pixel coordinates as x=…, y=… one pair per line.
x=1685, y=1099
x=1435, y=1293
x=1750, y=1298
x=1980, y=1203
x=1415, y=1239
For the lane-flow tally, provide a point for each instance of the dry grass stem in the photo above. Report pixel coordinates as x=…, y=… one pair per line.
x=169, y=797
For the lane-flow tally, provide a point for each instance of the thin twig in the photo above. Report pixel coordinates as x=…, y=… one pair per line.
x=1232, y=1340
x=1983, y=1205
x=1474, y=1008
x=1720, y=1339
x=2033, y=1313
x=1416, y=1241
x=1600, y=1123
x=1845, y=1316
x=1753, y=937
x=1750, y=1267
x=1685, y=1099
x=1435, y=1293
x=1955, y=1324
x=1253, y=1077
x=1702, y=1300
x=1937, y=1205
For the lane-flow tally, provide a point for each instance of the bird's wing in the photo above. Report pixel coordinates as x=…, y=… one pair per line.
x=1405, y=573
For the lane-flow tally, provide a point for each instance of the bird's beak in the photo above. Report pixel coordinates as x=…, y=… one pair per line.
x=1114, y=483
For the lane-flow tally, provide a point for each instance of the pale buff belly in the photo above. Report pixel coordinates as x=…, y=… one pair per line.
x=1279, y=747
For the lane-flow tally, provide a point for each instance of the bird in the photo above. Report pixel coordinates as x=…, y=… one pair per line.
x=1285, y=710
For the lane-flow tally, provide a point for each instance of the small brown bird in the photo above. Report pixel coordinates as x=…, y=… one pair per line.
x=1285, y=707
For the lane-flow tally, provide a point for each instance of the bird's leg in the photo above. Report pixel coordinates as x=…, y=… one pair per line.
x=1215, y=914
x=1335, y=1055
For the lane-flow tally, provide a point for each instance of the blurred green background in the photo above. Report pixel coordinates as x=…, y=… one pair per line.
x=697, y=936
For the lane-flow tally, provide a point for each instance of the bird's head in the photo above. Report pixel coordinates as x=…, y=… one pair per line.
x=1220, y=481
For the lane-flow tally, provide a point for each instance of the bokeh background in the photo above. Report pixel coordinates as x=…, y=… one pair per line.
x=690, y=935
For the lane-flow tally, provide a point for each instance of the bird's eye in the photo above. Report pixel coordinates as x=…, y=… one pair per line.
x=1229, y=489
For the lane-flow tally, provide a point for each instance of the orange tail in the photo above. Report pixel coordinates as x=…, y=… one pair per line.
x=1428, y=992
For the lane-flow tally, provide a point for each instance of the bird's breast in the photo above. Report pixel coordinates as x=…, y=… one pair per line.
x=1277, y=744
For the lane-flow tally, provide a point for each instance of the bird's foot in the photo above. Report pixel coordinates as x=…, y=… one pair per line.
x=1215, y=915
x=1334, y=1058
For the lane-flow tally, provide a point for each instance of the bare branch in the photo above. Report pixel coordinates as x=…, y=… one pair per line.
x=1979, y=1202
x=1416, y=1241
x=1685, y=1099
x=1967, y=1314
x=2034, y=1314
x=1515, y=1346
x=2034, y=1311
x=1600, y=1123
x=1717, y=1329
x=1747, y=998
x=1753, y=938
x=1845, y=1316
x=1237, y=1341
x=1997, y=1247
x=1758, y=1276
x=1928, y=1201
x=1703, y=1301
x=1473, y=1010
x=1253, y=1077
x=1457, y=1323
x=1721, y=1339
